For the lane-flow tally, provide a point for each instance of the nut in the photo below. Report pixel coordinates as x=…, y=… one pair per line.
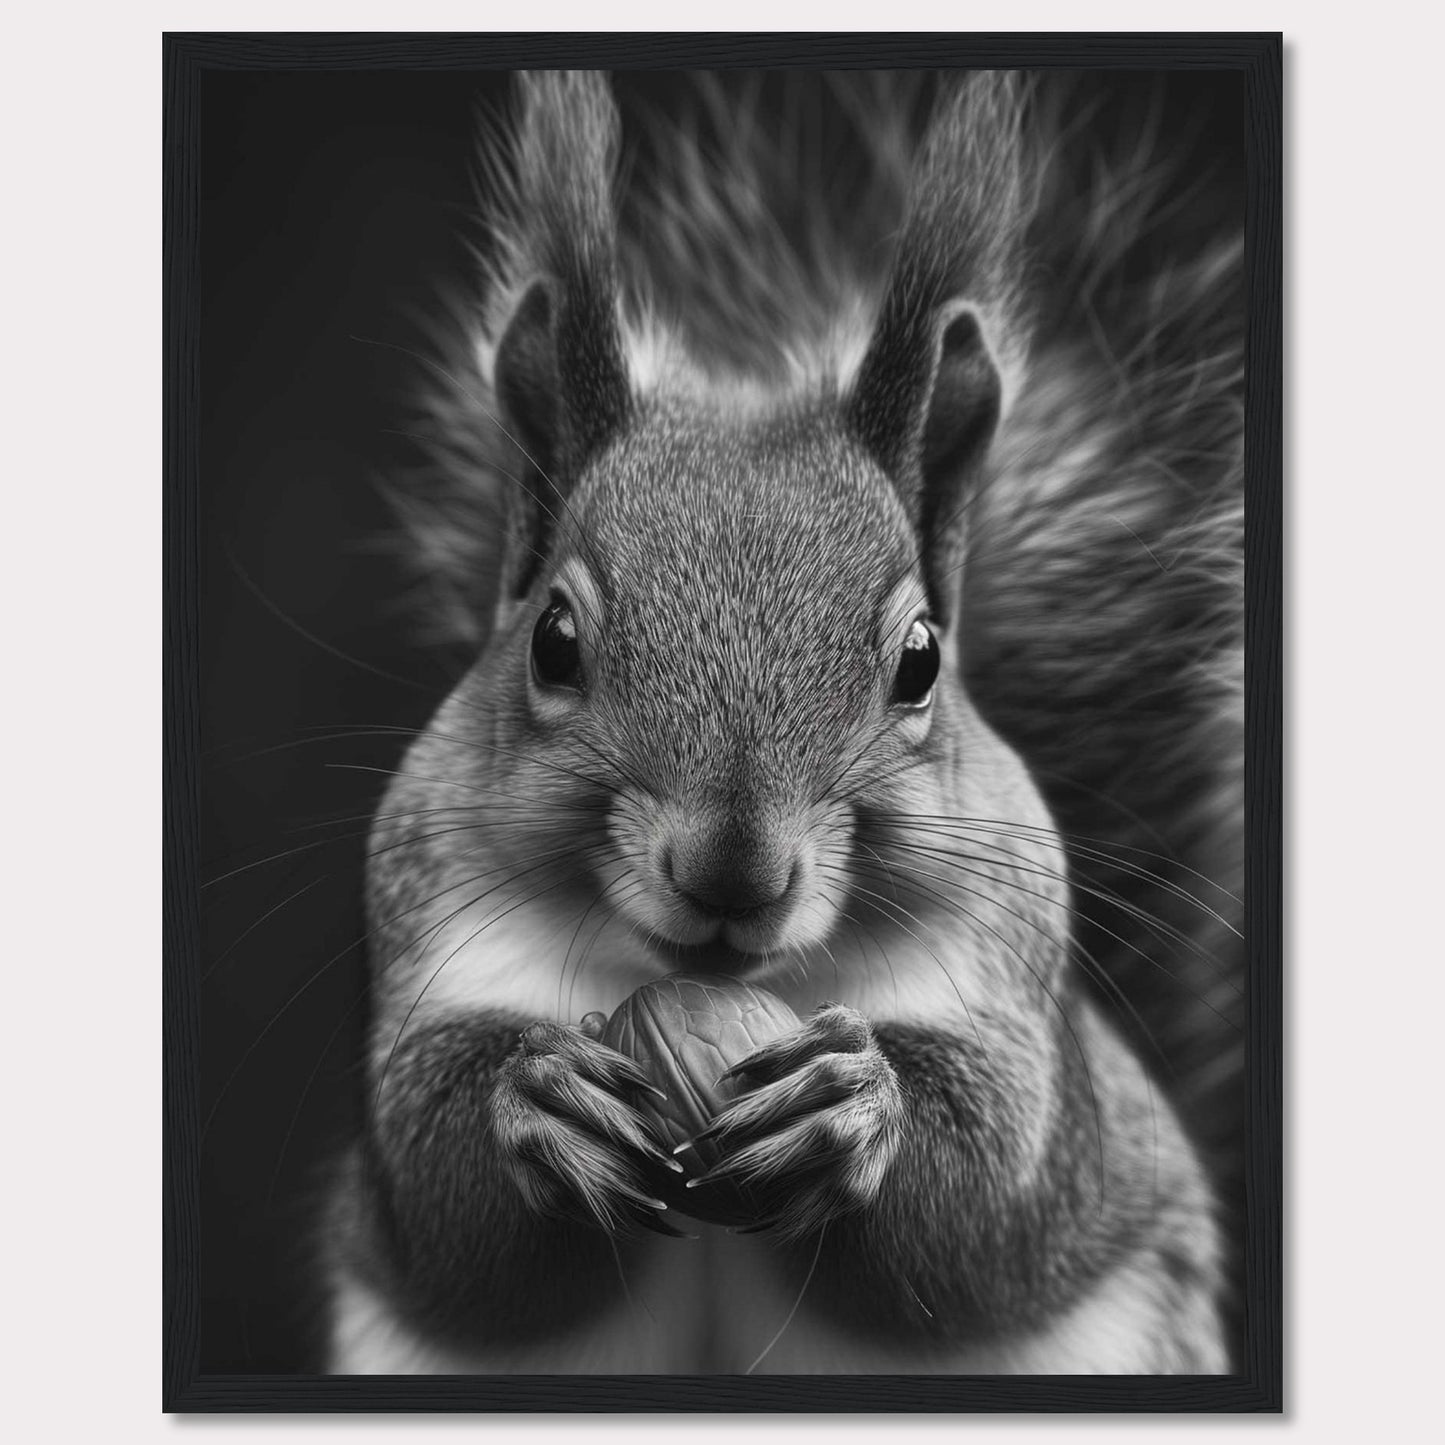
x=686, y=1031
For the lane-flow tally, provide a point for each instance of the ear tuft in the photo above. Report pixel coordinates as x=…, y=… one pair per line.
x=928, y=396
x=558, y=370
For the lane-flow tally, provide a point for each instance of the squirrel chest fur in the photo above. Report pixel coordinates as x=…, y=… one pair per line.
x=723, y=721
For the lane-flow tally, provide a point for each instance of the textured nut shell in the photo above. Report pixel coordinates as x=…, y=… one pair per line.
x=685, y=1031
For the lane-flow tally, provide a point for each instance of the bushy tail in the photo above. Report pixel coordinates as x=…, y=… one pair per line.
x=1105, y=588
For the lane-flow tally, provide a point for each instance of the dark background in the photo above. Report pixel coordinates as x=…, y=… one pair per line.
x=334, y=212
x=332, y=207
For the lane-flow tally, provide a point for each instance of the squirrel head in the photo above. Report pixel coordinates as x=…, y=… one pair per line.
x=742, y=622
x=735, y=626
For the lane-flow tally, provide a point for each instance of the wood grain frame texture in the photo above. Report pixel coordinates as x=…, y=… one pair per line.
x=1259, y=1387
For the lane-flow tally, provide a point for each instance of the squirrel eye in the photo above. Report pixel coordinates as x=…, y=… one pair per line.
x=918, y=667
x=556, y=656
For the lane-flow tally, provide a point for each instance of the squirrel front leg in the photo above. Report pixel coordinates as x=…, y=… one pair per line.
x=986, y=1218
x=1017, y=1205
x=495, y=1153
x=964, y=1193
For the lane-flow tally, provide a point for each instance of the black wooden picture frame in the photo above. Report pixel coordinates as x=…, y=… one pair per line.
x=189, y=59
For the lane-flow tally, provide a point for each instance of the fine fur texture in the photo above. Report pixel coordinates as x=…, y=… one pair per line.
x=952, y=375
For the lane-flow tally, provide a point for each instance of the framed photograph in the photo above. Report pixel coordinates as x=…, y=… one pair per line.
x=723, y=723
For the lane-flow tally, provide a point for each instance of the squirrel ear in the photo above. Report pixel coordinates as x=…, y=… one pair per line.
x=963, y=413
x=928, y=413
x=558, y=371
x=525, y=381
x=525, y=377
x=562, y=393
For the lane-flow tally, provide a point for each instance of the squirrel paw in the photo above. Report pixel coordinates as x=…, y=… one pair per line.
x=569, y=1135
x=815, y=1133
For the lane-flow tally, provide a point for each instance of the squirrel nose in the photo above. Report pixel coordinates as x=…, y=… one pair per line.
x=728, y=887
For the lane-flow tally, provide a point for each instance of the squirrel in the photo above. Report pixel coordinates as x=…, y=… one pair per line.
x=854, y=578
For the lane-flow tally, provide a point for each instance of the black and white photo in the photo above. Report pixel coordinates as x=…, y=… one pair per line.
x=722, y=674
